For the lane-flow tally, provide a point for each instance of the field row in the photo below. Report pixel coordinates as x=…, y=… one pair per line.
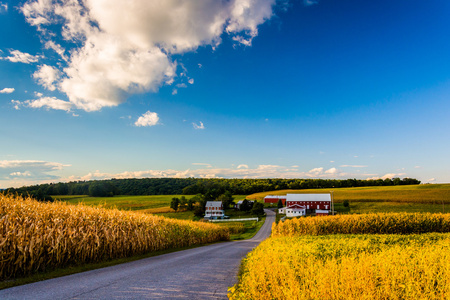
x=382, y=223
x=347, y=267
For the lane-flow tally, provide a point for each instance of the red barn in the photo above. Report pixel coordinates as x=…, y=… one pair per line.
x=319, y=203
x=275, y=198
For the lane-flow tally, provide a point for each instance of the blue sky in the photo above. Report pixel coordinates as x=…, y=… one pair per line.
x=235, y=89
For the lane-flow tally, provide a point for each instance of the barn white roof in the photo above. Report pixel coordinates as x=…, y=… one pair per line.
x=308, y=197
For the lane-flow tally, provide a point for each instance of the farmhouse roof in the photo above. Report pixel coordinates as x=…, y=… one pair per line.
x=297, y=206
x=308, y=197
x=214, y=204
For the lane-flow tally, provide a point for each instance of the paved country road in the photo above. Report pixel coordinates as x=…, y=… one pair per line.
x=199, y=273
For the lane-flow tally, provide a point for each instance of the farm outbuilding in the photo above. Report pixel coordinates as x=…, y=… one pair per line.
x=275, y=198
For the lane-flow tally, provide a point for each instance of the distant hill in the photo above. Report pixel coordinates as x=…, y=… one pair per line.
x=191, y=186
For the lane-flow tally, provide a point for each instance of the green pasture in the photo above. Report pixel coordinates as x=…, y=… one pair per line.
x=133, y=203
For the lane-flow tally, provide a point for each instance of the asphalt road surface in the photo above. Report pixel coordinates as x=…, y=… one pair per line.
x=199, y=273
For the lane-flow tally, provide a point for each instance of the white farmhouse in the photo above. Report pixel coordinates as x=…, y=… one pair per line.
x=214, y=210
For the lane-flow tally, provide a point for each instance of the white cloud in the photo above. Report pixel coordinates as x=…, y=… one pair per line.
x=147, y=119
x=431, y=180
x=44, y=102
x=191, y=81
x=17, y=56
x=57, y=48
x=199, y=125
x=310, y=2
x=29, y=169
x=332, y=171
x=388, y=175
x=21, y=174
x=47, y=76
x=121, y=47
x=262, y=171
x=3, y=7
x=16, y=104
x=7, y=91
x=50, y=103
x=242, y=167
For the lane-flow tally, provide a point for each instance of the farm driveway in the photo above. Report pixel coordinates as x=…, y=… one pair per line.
x=200, y=273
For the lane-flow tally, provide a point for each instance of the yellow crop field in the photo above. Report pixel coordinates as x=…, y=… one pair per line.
x=423, y=193
x=37, y=236
x=347, y=267
x=381, y=223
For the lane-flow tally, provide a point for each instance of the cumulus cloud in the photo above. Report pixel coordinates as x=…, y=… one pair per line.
x=50, y=103
x=57, y=48
x=199, y=125
x=3, y=7
x=47, y=76
x=388, y=175
x=147, y=119
x=29, y=169
x=44, y=102
x=310, y=2
x=17, y=56
x=119, y=48
x=242, y=171
x=7, y=91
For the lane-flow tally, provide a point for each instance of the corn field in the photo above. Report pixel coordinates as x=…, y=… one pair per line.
x=36, y=236
x=233, y=227
x=347, y=267
x=381, y=223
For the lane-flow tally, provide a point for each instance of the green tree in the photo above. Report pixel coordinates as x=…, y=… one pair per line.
x=183, y=202
x=280, y=203
x=257, y=209
x=199, y=210
x=190, y=204
x=174, y=204
x=246, y=205
x=226, y=198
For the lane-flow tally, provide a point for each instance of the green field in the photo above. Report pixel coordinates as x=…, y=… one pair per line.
x=123, y=202
x=159, y=204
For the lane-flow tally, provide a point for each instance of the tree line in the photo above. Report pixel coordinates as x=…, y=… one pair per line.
x=211, y=188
